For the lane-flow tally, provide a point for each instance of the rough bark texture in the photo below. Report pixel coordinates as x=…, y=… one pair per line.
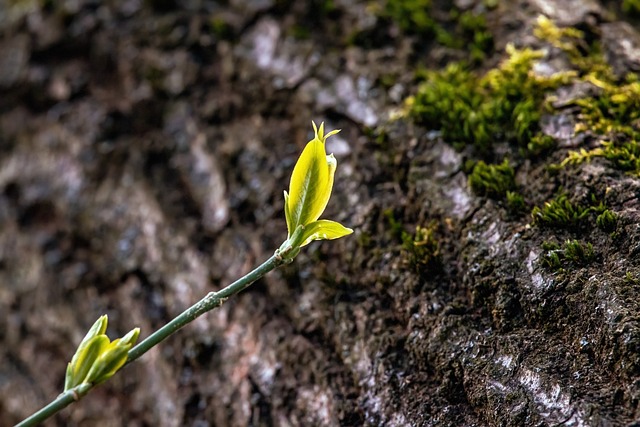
x=144, y=148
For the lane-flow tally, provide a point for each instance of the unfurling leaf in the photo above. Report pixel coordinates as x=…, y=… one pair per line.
x=323, y=229
x=311, y=182
x=109, y=362
x=76, y=369
x=97, y=358
x=309, y=193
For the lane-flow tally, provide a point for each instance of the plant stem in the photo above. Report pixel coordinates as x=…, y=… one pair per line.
x=60, y=402
x=209, y=302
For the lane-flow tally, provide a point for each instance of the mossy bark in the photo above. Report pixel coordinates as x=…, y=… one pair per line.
x=143, y=154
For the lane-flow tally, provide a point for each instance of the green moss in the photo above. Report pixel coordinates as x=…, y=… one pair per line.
x=578, y=253
x=473, y=35
x=616, y=110
x=300, y=32
x=540, y=144
x=560, y=213
x=364, y=239
x=422, y=247
x=631, y=7
x=492, y=180
x=630, y=279
x=587, y=58
x=614, y=114
x=552, y=256
x=397, y=230
x=459, y=30
x=572, y=252
x=505, y=103
x=220, y=28
x=566, y=39
x=412, y=16
x=448, y=100
x=616, y=119
x=607, y=221
x=516, y=203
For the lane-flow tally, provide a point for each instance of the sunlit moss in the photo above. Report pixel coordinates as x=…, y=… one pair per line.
x=562, y=38
x=505, y=103
x=616, y=110
x=614, y=114
x=587, y=58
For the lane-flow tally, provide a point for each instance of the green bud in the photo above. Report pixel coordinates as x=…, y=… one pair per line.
x=109, y=362
x=77, y=368
x=97, y=359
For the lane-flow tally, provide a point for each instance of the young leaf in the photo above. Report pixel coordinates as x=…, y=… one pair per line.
x=131, y=337
x=311, y=182
x=309, y=193
x=109, y=362
x=86, y=357
x=323, y=230
x=72, y=378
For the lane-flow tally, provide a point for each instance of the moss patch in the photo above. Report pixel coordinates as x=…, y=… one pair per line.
x=492, y=180
x=571, y=253
x=506, y=103
x=631, y=7
x=454, y=28
x=607, y=221
x=423, y=246
x=562, y=213
x=614, y=114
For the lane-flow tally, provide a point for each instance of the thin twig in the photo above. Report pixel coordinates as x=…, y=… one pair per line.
x=209, y=302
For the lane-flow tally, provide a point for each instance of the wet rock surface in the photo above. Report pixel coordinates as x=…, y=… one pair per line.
x=144, y=148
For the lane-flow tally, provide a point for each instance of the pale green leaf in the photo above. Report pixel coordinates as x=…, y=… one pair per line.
x=98, y=328
x=109, y=362
x=84, y=360
x=323, y=230
x=311, y=182
x=309, y=191
x=131, y=337
x=287, y=215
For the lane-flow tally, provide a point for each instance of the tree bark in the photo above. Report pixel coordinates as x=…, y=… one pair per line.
x=144, y=148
